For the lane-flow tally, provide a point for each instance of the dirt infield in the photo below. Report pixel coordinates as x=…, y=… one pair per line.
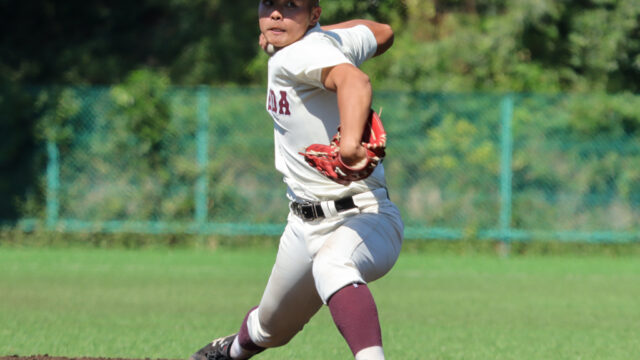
x=47, y=357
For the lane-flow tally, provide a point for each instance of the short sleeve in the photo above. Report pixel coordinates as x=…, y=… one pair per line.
x=306, y=60
x=357, y=43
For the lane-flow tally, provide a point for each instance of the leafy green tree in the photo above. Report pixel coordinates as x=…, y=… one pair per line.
x=20, y=160
x=100, y=42
x=527, y=45
x=454, y=45
x=150, y=53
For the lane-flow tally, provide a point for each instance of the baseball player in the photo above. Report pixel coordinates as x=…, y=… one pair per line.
x=342, y=231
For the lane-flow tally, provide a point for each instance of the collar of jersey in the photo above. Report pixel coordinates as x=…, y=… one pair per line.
x=314, y=29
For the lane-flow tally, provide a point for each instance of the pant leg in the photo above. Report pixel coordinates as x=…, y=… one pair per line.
x=290, y=298
x=364, y=248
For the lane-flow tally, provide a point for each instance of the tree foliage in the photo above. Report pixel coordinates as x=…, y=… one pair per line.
x=528, y=45
x=145, y=50
x=100, y=42
x=454, y=45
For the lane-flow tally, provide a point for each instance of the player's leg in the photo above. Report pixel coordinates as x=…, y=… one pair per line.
x=362, y=250
x=355, y=314
x=288, y=302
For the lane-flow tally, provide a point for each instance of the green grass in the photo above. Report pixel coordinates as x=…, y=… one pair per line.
x=166, y=303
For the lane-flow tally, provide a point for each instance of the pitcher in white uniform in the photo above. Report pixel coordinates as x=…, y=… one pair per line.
x=338, y=237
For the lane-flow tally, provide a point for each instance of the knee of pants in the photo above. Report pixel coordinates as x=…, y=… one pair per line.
x=269, y=334
x=331, y=273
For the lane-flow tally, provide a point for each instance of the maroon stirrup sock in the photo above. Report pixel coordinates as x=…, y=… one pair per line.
x=243, y=336
x=355, y=314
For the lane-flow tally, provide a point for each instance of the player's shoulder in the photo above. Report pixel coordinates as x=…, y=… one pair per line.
x=358, y=43
x=344, y=35
x=317, y=44
x=340, y=38
x=316, y=40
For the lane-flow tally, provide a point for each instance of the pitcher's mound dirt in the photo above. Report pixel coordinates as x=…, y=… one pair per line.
x=47, y=357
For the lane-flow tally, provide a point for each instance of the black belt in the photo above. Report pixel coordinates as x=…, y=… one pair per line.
x=313, y=210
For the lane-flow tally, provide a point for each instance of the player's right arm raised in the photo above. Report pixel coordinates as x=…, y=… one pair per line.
x=382, y=32
x=354, y=93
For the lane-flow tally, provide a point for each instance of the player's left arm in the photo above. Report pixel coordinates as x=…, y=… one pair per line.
x=354, y=93
x=382, y=32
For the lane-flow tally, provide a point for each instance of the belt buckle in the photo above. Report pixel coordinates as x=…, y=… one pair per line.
x=295, y=207
x=306, y=210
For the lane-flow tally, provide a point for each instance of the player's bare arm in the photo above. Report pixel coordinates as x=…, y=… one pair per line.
x=353, y=90
x=382, y=32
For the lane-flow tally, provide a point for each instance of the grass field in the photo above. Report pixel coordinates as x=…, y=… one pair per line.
x=166, y=303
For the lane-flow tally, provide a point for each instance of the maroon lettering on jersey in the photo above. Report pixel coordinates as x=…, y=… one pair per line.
x=271, y=104
x=284, y=104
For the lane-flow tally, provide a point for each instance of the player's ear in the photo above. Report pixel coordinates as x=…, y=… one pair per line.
x=316, y=11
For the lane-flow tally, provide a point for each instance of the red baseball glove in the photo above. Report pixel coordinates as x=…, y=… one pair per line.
x=327, y=159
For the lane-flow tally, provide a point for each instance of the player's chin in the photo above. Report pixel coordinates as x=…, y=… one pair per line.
x=283, y=41
x=280, y=44
x=281, y=38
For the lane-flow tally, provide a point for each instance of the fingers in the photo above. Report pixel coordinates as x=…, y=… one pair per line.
x=262, y=41
x=353, y=156
x=265, y=45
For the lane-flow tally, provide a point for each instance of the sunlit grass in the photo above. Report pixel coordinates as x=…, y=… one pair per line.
x=166, y=303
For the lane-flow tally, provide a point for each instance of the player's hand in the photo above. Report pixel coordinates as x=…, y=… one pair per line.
x=265, y=45
x=353, y=154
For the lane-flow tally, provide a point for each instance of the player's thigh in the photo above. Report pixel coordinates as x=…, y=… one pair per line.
x=381, y=237
x=290, y=298
x=363, y=249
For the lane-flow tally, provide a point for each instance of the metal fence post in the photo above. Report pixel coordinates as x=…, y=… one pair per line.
x=202, y=144
x=53, y=184
x=506, y=172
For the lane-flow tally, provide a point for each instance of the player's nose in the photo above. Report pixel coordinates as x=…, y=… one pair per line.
x=276, y=15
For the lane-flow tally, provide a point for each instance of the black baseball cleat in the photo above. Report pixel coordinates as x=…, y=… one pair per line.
x=218, y=349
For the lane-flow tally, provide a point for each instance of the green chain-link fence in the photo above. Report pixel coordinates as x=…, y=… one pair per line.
x=200, y=160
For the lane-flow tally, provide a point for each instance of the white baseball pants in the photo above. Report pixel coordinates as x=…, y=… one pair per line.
x=317, y=258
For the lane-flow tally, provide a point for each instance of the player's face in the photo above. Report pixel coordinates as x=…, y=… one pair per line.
x=284, y=22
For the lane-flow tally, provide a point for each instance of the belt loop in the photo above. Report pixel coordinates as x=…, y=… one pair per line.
x=370, y=197
x=329, y=208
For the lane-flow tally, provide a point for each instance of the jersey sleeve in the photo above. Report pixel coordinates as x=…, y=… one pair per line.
x=322, y=49
x=357, y=43
x=311, y=56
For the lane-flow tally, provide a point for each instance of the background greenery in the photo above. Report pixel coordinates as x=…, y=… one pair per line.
x=142, y=51
x=454, y=45
x=573, y=64
x=130, y=153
